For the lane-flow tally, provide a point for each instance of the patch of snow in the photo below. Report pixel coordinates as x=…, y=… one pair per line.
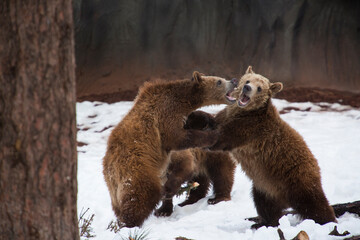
x=333, y=136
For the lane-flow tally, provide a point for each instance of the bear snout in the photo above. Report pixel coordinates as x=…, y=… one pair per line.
x=246, y=89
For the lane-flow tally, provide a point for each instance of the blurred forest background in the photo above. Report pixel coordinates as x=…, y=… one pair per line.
x=302, y=43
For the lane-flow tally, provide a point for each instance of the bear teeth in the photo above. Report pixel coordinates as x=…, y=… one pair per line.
x=230, y=98
x=243, y=100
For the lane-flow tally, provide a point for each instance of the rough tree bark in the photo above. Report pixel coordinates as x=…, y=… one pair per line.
x=38, y=186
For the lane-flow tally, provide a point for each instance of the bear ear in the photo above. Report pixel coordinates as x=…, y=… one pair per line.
x=197, y=76
x=276, y=87
x=249, y=70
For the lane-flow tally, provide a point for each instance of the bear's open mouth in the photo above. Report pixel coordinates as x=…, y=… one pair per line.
x=243, y=100
x=229, y=97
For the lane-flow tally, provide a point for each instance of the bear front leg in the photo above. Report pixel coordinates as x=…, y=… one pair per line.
x=221, y=170
x=166, y=208
x=179, y=170
x=171, y=187
x=138, y=198
x=233, y=135
x=198, y=193
x=269, y=209
x=220, y=146
x=200, y=120
x=196, y=138
x=225, y=142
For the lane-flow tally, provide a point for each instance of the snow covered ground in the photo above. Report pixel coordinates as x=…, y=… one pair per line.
x=332, y=135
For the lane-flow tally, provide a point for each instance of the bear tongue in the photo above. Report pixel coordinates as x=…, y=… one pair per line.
x=243, y=100
x=230, y=97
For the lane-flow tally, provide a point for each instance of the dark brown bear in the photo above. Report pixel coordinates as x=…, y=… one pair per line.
x=198, y=165
x=138, y=147
x=272, y=154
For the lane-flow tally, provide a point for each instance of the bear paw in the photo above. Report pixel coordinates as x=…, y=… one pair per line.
x=216, y=200
x=200, y=120
x=164, y=211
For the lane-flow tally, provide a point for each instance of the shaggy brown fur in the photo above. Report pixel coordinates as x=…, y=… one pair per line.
x=198, y=165
x=138, y=147
x=283, y=170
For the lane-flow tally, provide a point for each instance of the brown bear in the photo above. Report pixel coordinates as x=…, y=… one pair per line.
x=273, y=155
x=201, y=166
x=138, y=147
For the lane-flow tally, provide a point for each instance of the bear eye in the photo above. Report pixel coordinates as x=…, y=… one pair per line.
x=259, y=89
x=218, y=83
x=247, y=82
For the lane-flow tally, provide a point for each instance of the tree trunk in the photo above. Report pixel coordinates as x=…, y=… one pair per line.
x=38, y=166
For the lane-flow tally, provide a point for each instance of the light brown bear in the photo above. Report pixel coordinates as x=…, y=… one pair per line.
x=201, y=166
x=138, y=147
x=272, y=154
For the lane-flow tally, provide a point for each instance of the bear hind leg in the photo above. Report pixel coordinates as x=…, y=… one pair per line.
x=198, y=193
x=269, y=209
x=313, y=205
